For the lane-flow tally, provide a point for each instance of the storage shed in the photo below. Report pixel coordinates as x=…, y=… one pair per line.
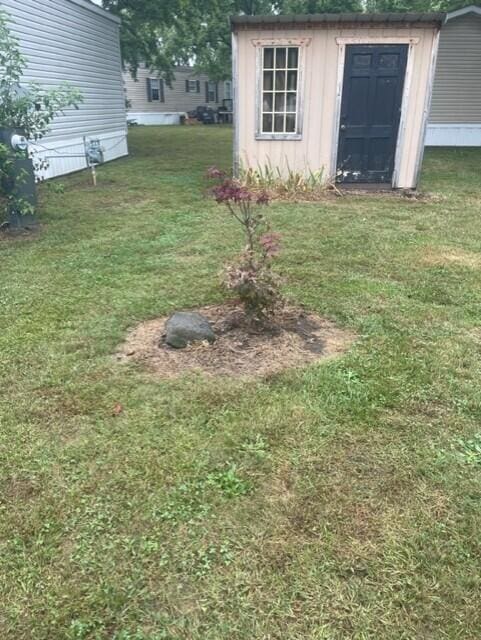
x=74, y=41
x=347, y=94
x=455, y=118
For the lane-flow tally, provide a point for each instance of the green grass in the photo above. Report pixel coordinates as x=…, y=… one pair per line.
x=338, y=501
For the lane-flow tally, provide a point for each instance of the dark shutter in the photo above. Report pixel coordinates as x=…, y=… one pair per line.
x=149, y=90
x=162, y=96
x=217, y=92
x=187, y=86
x=198, y=86
x=207, y=92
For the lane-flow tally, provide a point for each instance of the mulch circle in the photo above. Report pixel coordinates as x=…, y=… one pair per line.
x=297, y=338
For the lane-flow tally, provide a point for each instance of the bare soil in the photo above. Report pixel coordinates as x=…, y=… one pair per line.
x=297, y=338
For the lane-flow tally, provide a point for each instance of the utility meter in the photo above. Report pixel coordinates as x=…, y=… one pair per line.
x=95, y=153
x=18, y=142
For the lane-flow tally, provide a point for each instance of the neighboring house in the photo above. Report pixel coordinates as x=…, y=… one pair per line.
x=344, y=94
x=152, y=101
x=455, y=118
x=77, y=42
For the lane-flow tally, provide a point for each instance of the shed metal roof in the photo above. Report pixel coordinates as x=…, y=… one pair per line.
x=335, y=18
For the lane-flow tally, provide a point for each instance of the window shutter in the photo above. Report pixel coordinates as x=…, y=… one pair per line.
x=187, y=87
x=217, y=92
x=207, y=92
x=149, y=90
x=162, y=96
x=198, y=86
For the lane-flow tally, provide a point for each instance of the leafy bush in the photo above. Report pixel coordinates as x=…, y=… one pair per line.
x=28, y=108
x=250, y=275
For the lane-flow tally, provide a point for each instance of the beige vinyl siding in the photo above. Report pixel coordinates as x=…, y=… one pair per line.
x=457, y=85
x=316, y=149
x=177, y=99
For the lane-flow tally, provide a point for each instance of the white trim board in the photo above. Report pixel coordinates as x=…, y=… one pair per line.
x=342, y=43
x=453, y=135
x=235, y=103
x=427, y=106
x=464, y=11
x=155, y=118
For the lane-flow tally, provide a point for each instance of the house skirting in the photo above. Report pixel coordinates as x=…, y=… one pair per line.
x=68, y=155
x=453, y=135
x=148, y=118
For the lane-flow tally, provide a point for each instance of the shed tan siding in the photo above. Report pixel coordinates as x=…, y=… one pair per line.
x=457, y=85
x=177, y=99
x=317, y=148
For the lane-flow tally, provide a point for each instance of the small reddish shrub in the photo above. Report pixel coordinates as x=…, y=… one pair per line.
x=250, y=275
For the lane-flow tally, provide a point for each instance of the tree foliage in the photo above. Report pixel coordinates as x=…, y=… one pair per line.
x=164, y=33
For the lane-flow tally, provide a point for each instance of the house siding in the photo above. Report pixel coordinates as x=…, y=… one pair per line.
x=457, y=84
x=74, y=41
x=317, y=148
x=176, y=99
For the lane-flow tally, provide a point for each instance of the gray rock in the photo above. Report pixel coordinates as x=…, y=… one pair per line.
x=183, y=327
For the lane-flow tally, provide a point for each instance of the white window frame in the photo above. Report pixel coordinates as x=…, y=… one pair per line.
x=212, y=90
x=192, y=83
x=159, y=89
x=228, y=89
x=301, y=44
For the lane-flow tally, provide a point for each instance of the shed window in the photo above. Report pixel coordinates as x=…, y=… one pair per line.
x=279, y=111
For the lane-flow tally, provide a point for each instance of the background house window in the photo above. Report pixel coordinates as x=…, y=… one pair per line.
x=228, y=90
x=211, y=94
x=192, y=86
x=280, y=89
x=155, y=90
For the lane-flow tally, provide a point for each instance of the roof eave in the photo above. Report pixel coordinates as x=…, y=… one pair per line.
x=338, y=18
x=472, y=8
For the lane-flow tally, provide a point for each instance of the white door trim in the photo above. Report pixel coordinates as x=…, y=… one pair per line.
x=342, y=43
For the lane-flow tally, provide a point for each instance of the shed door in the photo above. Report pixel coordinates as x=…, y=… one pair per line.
x=370, y=112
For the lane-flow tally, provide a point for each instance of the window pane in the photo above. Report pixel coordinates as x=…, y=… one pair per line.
x=280, y=80
x=268, y=58
x=279, y=124
x=293, y=57
x=267, y=102
x=280, y=102
x=267, y=123
x=291, y=102
x=268, y=80
x=290, y=123
x=291, y=80
x=280, y=58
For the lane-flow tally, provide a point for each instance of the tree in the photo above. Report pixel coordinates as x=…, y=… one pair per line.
x=164, y=33
x=144, y=27
x=382, y=6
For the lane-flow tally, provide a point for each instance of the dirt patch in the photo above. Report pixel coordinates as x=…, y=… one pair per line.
x=296, y=339
x=445, y=256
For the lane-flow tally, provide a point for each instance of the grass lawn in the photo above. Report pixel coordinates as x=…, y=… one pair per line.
x=340, y=501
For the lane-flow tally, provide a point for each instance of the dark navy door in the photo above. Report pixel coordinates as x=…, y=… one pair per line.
x=370, y=112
